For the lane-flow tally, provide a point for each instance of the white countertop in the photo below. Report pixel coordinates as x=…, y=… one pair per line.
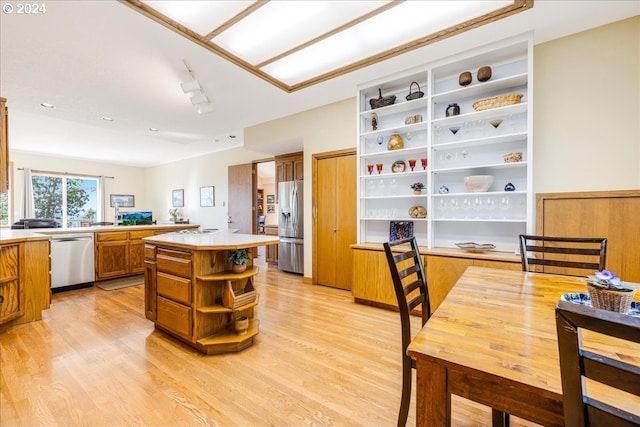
x=222, y=240
x=8, y=235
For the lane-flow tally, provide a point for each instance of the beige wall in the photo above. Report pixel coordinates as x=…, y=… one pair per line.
x=328, y=128
x=586, y=116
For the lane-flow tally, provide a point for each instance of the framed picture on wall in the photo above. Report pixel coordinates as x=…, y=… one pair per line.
x=207, y=196
x=177, y=198
x=122, y=200
x=271, y=198
x=271, y=208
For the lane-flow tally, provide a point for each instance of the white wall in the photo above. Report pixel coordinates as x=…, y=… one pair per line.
x=190, y=175
x=126, y=179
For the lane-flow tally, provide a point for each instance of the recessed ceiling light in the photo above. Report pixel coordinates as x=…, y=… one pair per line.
x=153, y=129
x=232, y=136
x=47, y=105
x=107, y=119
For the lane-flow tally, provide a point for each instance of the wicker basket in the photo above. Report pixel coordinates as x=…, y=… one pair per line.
x=414, y=95
x=383, y=101
x=610, y=300
x=497, y=101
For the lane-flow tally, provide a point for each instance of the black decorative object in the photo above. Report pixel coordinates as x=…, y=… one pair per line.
x=509, y=187
x=400, y=230
x=452, y=110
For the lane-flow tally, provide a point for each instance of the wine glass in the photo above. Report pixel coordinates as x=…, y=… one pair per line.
x=379, y=167
x=412, y=163
x=424, y=163
x=370, y=168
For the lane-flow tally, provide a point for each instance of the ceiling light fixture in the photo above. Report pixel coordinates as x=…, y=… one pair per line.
x=47, y=105
x=107, y=119
x=153, y=129
x=199, y=99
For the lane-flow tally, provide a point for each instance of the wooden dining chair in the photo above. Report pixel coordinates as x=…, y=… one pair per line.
x=574, y=256
x=576, y=364
x=410, y=285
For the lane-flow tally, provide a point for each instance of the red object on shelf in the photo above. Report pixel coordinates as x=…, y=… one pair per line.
x=379, y=167
x=424, y=163
x=412, y=163
x=370, y=168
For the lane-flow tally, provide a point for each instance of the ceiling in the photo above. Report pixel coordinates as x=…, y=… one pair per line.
x=98, y=59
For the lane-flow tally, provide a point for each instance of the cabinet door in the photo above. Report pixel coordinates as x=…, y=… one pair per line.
x=371, y=278
x=298, y=168
x=112, y=259
x=11, y=301
x=150, y=288
x=442, y=273
x=136, y=256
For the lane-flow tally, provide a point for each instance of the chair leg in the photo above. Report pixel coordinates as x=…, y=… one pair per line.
x=499, y=418
x=406, y=392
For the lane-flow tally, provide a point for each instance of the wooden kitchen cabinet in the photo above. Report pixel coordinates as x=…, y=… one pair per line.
x=11, y=293
x=121, y=253
x=150, y=280
x=289, y=167
x=4, y=146
x=25, y=280
x=271, y=251
x=443, y=267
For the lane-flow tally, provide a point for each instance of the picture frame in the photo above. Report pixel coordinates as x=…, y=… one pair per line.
x=400, y=230
x=271, y=208
x=271, y=198
x=122, y=200
x=207, y=196
x=177, y=198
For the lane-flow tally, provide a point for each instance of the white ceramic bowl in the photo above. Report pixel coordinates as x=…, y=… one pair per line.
x=478, y=183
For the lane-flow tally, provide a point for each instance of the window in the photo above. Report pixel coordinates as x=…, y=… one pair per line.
x=70, y=200
x=4, y=208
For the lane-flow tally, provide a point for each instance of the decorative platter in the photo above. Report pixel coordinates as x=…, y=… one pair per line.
x=584, y=299
x=476, y=247
x=398, y=166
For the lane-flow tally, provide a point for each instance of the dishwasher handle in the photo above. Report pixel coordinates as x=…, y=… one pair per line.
x=71, y=239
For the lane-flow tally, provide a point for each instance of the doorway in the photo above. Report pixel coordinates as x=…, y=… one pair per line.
x=266, y=218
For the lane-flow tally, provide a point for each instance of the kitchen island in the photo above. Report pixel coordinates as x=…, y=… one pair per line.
x=192, y=294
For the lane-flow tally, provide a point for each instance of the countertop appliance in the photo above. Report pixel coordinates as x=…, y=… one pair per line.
x=291, y=227
x=72, y=264
x=26, y=223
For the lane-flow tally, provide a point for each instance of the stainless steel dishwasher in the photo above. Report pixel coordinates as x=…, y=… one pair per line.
x=71, y=260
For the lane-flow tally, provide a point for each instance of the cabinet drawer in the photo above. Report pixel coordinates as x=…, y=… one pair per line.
x=175, y=317
x=10, y=301
x=111, y=236
x=139, y=234
x=9, y=262
x=174, y=262
x=175, y=288
x=150, y=252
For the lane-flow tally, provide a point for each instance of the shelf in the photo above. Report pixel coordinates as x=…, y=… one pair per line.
x=484, y=193
x=229, y=275
x=399, y=107
x=479, y=220
x=503, y=165
x=475, y=142
x=413, y=127
x=228, y=340
x=395, y=218
x=480, y=89
x=218, y=309
x=481, y=115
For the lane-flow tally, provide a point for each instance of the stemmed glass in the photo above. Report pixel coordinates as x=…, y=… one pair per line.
x=424, y=163
x=370, y=168
x=379, y=167
x=412, y=164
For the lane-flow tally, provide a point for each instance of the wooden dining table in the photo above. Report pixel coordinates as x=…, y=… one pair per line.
x=493, y=341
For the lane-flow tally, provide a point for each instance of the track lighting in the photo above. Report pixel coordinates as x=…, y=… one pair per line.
x=205, y=108
x=190, y=85
x=198, y=98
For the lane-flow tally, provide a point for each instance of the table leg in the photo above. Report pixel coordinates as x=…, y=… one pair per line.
x=433, y=402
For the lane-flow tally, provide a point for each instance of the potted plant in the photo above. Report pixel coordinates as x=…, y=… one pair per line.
x=238, y=259
x=417, y=187
x=173, y=212
x=608, y=292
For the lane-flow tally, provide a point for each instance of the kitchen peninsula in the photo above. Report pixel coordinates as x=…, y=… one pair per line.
x=191, y=293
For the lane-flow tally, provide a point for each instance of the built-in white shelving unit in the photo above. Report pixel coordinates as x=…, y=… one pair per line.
x=455, y=147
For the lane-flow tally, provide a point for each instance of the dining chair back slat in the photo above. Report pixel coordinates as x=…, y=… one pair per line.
x=575, y=256
x=578, y=364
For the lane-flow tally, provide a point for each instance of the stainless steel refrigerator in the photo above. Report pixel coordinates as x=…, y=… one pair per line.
x=291, y=227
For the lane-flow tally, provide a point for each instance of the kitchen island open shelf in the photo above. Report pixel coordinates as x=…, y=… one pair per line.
x=191, y=294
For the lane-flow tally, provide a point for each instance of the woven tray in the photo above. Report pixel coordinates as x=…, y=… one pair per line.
x=610, y=300
x=497, y=101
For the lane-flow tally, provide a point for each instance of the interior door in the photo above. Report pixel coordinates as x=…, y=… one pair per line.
x=334, y=219
x=240, y=179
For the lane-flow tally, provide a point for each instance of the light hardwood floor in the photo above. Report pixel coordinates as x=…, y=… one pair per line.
x=319, y=360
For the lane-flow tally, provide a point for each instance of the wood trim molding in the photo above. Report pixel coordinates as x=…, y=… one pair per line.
x=205, y=41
